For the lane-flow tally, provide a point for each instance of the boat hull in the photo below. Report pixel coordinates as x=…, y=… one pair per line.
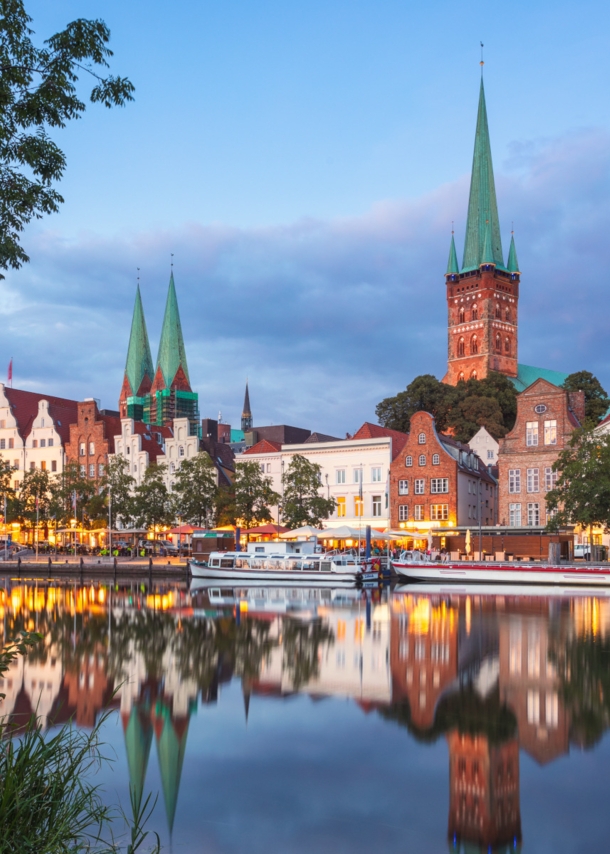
x=501, y=573
x=271, y=576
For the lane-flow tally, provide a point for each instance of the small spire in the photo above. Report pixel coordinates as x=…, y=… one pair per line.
x=246, y=415
x=452, y=264
x=512, y=265
x=487, y=256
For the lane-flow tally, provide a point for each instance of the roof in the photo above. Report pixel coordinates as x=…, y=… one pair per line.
x=482, y=204
x=376, y=431
x=237, y=435
x=139, y=360
x=320, y=437
x=527, y=375
x=512, y=265
x=172, y=353
x=24, y=406
x=264, y=447
x=452, y=263
x=246, y=410
x=266, y=529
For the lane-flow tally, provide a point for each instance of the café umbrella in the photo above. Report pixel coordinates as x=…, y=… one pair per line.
x=468, y=537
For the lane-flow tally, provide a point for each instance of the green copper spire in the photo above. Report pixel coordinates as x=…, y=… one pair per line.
x=452, y=263
x=138, y=739
x=487, y=255
x=139, y=360
x=172, y=354
x=482, y=205
x=513, y=264
x=171, y=747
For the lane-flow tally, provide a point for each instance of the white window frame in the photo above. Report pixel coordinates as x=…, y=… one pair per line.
x=403, y=487
x=340, y=476
x=550, y=478
x=357, y=475
x=409, y=460
x=531, y=434
x=514, y=515
x=422, y=460
x=550, y=432
x=418, y=512
x=439, y=485
x=421, y=439
x=341, y=506
x=376, y=474
x=533, y=515
x=436, y=459
x=419, y=486
x=376, y=506
x=514, y=481
x=403, y=512
x=533, y=480
x=439, y=512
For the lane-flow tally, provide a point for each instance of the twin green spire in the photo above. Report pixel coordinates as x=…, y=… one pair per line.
x=483, y=243
x=139, y=360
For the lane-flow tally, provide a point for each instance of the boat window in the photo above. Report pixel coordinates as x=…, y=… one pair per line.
x=227, y=562
x=214, y=591
x=214, y=562
x=311, y=565
x=227, y=592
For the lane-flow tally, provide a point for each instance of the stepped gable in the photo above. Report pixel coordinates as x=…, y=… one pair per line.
x=376, y=431
x=24, y=406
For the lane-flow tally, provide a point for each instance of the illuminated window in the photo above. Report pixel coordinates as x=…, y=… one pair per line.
x=507, y=314
x=551, y=710
x=461, y=376
x=533, y=707
x=462, y=316
x=358, y=506
x=514, y=480
x=550, y=478
x=421, y=439
x=403, y=512
x=533, y=480
x=498, y=311
x=531, y=433
x=550, y=432
x=507, y=346
x=403, y=487
x=498, y=343
x=473, y=375
x=475, y=312
x=409, y=461
x=43, y=465
x=341, y=506
x=514, y=515
x=439, y=485
x=91, y=449
x=439, y=512
x=419, y=485
x=474, y=345
x=419, y=512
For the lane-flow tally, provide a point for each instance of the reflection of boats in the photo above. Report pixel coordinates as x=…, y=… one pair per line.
x=262, y=599
x=416, y=567
x=553, y=591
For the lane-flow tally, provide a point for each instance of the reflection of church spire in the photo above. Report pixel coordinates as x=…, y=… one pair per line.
x=138, y=738
x=245, y=688
x=171, y=737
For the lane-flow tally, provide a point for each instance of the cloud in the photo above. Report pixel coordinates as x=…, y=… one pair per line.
x=324, y=317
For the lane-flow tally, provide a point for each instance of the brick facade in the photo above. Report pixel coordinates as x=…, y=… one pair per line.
x=92, y=439
x=546, y=418
x=453, y=479
x=482, y=308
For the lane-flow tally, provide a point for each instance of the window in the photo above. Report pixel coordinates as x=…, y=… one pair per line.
x=340, y=476
x=341, y=507
x=82, y=470
x=358, y=506
x=81, y=449
x=43, y=465
x=128, y=449
x=514, y=650
x=53, y=465
x=419, y=512
x=439, y=512
x=419, y=486
x=268, y=467
x=507, y=346
x=533, y=707
x=531, y=433
x=2, y=424
x=436, y=460
x=507, y=314
x=15, y=464
x=376, y=475
x=474, y=345
x=550, y=432
x=376, y=505
x=32, y=466
x=439, y=484
x=357, y=475
x=514, y=480
x=462, y=316
x=92, y=470
x=550, y=478
x=403, y=487
x=50, y=442
x=409, y=461
x=514, y=515
x=422, y=460
x=181, y=451
x=2, y=444
x=172, y=468
x=91, y=449
x=43, y=443
x=540, y=408
x=461, y=376
x=11, y=443
x=498, y=311
x=475, y=312
x=403, y=512
x=262, y=467
x=498, y=343
x=490, y=455
x=34, y=443
x=533, y=515
x=461, y=348
x=100, y=469
x=551, y=709
x=533, y=480
x=421, y=439
x=473, y=375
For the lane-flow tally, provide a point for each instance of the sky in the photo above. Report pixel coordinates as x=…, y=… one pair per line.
x=304, y=162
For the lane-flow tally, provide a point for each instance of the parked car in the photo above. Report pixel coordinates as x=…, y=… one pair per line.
x=582, y=550
x=159, y=547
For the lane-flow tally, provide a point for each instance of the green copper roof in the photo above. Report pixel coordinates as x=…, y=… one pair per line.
x=512, y=265
x=526, y=375
x=482, y=205
x=170, y=750
x=171, y=347
x=452, y=263
x=487, y=256
x=139, y=360
x=138, y=739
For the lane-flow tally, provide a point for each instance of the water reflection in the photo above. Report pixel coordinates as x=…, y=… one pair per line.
x=489, y=675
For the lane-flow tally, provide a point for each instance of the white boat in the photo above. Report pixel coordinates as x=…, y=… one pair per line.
x=299, y=568
x=415, y=566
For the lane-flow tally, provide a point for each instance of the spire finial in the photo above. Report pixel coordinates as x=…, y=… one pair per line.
x=138, y=277
x=482, y=63
x=452, y=224
x=171, y=263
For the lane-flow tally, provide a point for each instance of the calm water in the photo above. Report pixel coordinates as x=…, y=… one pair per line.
x=321, y=721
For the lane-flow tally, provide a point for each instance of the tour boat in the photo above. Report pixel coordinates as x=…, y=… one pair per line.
x=300, y=568
x=418, y=567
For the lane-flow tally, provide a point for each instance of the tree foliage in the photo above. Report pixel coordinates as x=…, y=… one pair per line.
x=302, y=503
x=195, y=489
x=461, y=409
x=152, y=506
x=582, y=493
x=253, y=495
x=38, y=93
x=117, y=489
x=596, y=399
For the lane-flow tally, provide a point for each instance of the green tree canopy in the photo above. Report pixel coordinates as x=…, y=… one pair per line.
x=38, y=93
x=302, y=503
x=195, y=490
x=461, y=409
x=582, y=493
x=596, y=399
x=118, y=490
x=70, y=485
x=152, y=506
x=254, y=495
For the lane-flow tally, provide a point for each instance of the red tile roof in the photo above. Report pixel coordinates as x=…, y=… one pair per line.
x=24, y=406
x=375, y=431
x=264, y=447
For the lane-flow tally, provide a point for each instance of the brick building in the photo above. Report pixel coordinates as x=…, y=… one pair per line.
x=546, y=418
x=436, y=481
x=92, y=439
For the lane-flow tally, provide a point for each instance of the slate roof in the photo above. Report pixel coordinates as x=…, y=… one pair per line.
x=527, y=375
x=24, y=406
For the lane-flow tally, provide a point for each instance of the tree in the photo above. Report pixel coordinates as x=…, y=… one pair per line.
x=71, y=494
x=225, y=506
x=34, y=498
x=7, y=493
x=424, y=393
x=118, y=488
x=302, y=503
x=474, y=412
x=152, y=501
x=596, y=399
x=253, y=495
x=38, y=93
x=582, y=493
x=195, y=490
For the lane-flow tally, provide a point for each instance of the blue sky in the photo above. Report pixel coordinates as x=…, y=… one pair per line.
x=304, y=162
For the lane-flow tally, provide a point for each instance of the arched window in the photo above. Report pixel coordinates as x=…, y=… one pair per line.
x=409, y=461
x=498, y=343
x=507, y=346
x=436, y=460
x=507, y=315
x=462, y=315
x=498, y=310
x=475, y=312
x=461, y=347
x=422, y=459
x=421, y=439
x=461, y=377
x=474, y=375
x=474, y=345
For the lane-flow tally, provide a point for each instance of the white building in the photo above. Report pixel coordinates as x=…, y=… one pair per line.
x=140, y=445
x=354, y=471
x=485, y=446
x=179, y=446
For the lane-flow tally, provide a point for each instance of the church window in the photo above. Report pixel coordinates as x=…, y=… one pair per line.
x=498, y=343
x=507, y=315
x=475, y=312
x=461, y=376
x=498, y=311
x=474, y=375
x=461, y=347
x=462, y=314
x=474, y=345
x=507, y=346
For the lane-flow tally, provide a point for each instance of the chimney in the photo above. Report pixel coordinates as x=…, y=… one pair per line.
x=576, y=402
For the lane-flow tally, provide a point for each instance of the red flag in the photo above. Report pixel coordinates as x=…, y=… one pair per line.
x=9, y=376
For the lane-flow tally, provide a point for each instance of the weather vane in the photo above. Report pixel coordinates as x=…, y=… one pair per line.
x=482, y=61
x=172, y=261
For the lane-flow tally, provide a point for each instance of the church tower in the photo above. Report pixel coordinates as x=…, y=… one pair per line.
x=139, y=369
x=482, y=294
x=246, y=415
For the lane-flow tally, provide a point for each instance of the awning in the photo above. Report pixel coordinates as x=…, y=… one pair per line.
x=305, y=531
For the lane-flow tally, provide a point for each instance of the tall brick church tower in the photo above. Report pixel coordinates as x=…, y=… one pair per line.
x=482, y=295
